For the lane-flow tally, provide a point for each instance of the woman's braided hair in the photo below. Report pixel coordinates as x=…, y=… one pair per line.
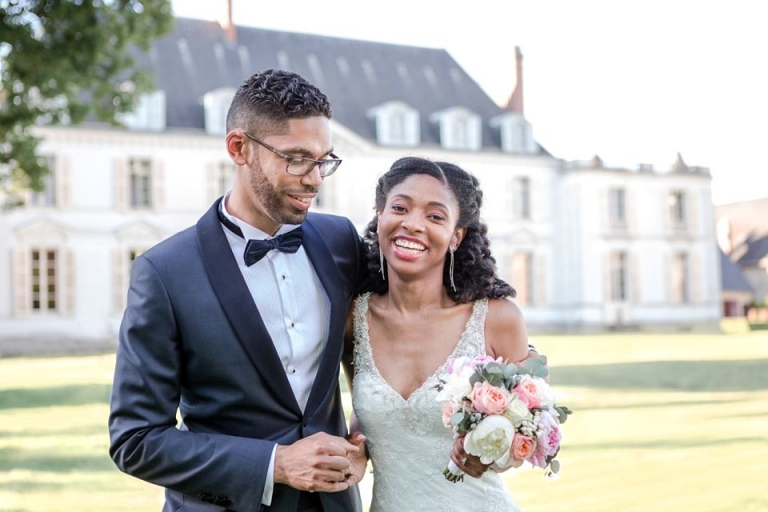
x=474, y=270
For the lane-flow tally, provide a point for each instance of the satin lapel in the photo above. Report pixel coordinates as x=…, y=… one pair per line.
x=236, y=300
x=328, y=273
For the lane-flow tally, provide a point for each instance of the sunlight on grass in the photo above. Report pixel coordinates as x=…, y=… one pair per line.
x=661, y=423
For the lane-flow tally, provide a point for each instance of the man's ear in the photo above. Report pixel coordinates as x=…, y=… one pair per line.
x=237, y=147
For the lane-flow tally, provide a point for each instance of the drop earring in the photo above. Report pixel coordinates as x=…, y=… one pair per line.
x=381, y=261
x=450, y=269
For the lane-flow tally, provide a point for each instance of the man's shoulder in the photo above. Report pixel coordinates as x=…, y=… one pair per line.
x=173, y=245
x=325, y=221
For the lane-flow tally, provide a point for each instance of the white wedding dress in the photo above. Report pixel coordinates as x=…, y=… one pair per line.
x=409, y=445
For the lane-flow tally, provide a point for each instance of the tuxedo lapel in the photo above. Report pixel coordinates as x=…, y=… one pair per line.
x=236, y=300
x=322, y=260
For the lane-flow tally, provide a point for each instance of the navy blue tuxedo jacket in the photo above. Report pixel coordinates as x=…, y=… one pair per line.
x=192, y=340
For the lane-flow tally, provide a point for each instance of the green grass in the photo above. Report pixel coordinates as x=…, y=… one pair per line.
x=661, y=423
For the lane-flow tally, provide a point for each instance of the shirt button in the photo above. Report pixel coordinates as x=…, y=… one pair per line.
x=283, y=276
x=292, y=324
x=291, y=370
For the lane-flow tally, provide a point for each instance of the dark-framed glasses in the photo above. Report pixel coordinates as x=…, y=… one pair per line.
x=299, y=165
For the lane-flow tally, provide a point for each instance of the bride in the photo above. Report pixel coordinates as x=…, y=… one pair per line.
x=435, y=295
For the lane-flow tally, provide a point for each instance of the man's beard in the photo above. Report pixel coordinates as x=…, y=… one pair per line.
x=271, y=200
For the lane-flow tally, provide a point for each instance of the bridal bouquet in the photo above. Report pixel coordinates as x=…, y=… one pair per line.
x=506, y=413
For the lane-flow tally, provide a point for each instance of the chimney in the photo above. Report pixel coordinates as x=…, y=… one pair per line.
x=230, y=31
x=515, y=103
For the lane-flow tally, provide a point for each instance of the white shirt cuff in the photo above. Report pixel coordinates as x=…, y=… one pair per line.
x=269, y=484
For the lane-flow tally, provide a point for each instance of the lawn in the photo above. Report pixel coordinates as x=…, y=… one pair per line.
x=661, y=423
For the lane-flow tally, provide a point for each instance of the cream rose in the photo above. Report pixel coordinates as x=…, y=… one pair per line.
x=491, y=440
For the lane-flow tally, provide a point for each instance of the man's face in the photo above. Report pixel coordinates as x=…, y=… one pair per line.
x=277, y=197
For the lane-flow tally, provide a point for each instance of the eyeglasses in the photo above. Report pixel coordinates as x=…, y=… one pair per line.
x=301, y=166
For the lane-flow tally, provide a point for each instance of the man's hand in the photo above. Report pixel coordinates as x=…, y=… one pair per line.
x=320, y=462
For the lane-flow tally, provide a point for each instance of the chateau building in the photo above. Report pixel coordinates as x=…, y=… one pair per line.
x=587, y=246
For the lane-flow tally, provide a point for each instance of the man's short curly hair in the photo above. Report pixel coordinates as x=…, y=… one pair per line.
x=474, y=268
x=265, y=102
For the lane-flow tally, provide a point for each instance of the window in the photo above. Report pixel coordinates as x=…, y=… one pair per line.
x=617, y=208
x=618, y=276
x=397, y=124
x=216, y=104
x=44, y=280
x=679, y=278
x=140, y=183
x=460, y=129
x=677, y=204
x=47, y=196
x=522, y=198
x=149, y=113
x=516, y=133
x=225, y=176
x=522, y=277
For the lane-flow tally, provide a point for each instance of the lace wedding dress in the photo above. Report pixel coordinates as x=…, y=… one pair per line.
x=409, y=445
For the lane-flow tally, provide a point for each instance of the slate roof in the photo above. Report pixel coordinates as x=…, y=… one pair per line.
x=757, y=249
x=731, y=276
x=356, y=75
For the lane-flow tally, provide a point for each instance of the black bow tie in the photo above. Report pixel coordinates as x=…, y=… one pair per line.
x=256, y=249
x=287, y=242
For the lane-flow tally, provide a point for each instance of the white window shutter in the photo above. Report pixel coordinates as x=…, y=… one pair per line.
x=121, y=184
x=21, y=284
x=630, y=210
x=696, y=278
x=635, y=279
x=62, y=181
x=540, y=281
x=119, y=272
x=68, y=281
x=607, y=281
x=692, y=214
x=158, y=185
x=605, y=211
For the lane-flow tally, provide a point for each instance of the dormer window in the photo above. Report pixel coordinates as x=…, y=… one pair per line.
x=516, y=133
x=397, y=124
x=149, y=113
x=460, y=129
x=216, y=104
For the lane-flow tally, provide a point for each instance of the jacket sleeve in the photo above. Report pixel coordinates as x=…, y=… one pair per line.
x=144, y=439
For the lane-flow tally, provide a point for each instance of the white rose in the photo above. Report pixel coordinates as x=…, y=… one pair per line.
x=517, y=411
x=545, y=394
x=457, y=386
x=490, y=440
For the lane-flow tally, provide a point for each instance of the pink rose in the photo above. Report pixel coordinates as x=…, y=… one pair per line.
x=483, y=359
x=488, y=399
x=522, y=447
x=549, y=434
x=528, y=392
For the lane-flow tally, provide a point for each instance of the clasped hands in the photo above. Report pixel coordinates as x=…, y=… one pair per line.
x=322, y=462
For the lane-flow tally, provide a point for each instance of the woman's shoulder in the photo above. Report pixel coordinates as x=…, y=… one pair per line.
x=505, y=332
x=503, y=311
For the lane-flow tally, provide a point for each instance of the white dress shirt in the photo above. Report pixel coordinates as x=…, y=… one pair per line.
x=294, y=307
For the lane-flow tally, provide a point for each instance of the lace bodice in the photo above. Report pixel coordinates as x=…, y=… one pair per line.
x=408, y=443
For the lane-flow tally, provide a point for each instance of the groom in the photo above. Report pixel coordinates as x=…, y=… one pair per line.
x=244, y=336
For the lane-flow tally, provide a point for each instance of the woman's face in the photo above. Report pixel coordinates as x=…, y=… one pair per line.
x=417, y=226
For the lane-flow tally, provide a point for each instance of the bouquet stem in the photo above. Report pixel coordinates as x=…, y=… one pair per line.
x=452, y=473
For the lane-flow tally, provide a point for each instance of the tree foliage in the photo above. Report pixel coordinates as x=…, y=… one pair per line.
x=63, y=61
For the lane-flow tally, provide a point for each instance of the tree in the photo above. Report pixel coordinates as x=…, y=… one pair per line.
x=62, y=61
